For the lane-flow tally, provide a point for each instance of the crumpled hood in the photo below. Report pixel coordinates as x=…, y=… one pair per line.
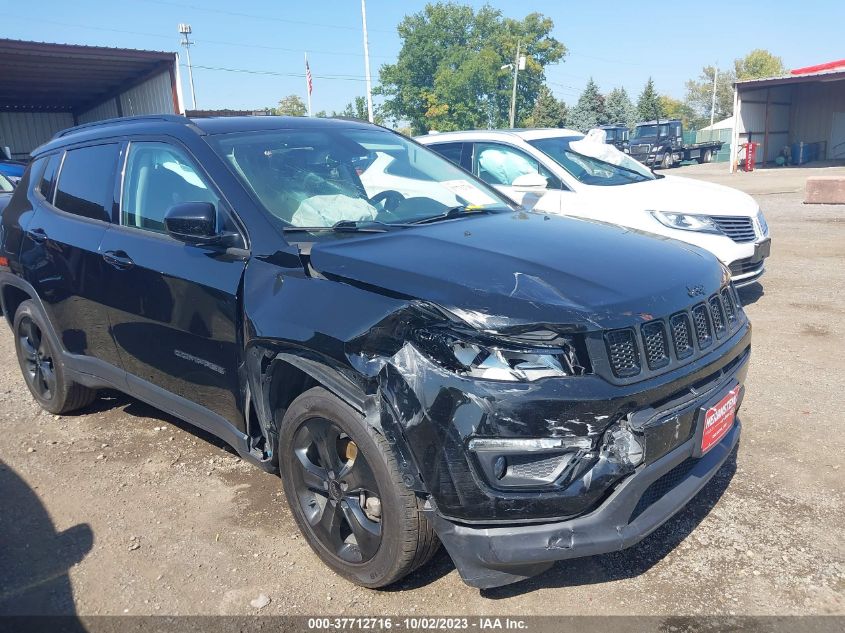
x=679, y=194
x=512, y=269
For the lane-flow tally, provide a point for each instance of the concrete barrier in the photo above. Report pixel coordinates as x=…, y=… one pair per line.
x=825, y=190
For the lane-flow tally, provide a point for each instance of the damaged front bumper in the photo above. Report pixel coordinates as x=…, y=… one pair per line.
x=626, y=504
x=494, y=556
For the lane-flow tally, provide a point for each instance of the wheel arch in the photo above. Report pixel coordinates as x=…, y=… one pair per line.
x=278, y=376
x=11, y=298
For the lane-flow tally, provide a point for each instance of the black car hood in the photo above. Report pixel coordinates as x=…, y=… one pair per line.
x=512, y=269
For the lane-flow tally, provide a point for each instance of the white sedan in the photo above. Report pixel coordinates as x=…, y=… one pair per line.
x=562, y=171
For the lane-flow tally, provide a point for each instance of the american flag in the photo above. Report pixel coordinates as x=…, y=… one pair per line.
x=308, y=78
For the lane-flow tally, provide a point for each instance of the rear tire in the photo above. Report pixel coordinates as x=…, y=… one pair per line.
x=330, y=460
x=708, y=155
x=42, y=367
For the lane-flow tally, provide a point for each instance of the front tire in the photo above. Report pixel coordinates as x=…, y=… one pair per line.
x=346, y=493
x=41, y=365
x=668, y=161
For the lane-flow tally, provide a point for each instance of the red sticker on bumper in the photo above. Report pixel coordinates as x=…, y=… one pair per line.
x=719, y=419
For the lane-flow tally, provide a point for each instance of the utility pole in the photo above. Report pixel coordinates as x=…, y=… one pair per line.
x=185, y=30
x=516, y=63
x=367, y=61
x=713, y=100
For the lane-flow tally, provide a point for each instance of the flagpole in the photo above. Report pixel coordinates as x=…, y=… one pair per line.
x=367, y=61
x=307, y=87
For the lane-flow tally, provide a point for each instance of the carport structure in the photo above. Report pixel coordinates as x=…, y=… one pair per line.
x=806, y=106
x=48, y=87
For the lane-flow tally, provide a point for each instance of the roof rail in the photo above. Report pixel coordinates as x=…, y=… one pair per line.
x=173, y=118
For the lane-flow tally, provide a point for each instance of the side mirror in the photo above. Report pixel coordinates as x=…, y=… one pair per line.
x=192, y=222
x=530, y=183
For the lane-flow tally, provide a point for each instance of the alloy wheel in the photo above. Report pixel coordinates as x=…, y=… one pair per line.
x=337, y=491
x=39, y=367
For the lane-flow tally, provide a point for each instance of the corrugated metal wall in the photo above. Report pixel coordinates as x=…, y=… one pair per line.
x=797, y=113
x=24, y=131
x=106, y=110
x=151, y=97
x=812, y=112
x=752, y=119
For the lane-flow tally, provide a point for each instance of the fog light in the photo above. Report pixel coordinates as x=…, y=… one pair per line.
x=499, y=467
x=624, y=446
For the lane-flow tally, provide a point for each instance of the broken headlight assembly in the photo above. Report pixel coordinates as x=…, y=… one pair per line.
x=536, y=463
x=503, y=360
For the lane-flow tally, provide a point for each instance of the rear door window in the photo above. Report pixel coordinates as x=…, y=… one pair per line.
x=450, y=151
x=46, y=185
x=86, y=181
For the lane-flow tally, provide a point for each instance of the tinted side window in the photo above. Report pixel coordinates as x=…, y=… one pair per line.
x=46, y=185
x=86, y=181
x=158, y=176
x=450, y=151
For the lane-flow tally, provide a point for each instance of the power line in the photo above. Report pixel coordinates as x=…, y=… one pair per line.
x=263, y=18
x=273, y=73
x=195, y=41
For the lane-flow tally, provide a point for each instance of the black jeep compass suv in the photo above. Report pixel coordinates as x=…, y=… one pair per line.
x=420, y=360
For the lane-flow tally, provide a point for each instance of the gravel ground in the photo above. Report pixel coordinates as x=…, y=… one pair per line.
x=123, y=509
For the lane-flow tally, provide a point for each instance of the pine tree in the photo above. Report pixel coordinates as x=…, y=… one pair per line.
x=619, y=108
x=548, y=111
x=590, y=109
x=648, y=105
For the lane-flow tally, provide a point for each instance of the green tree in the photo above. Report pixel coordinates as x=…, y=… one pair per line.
x=757, y=64
x=357, y=109
x=700, y=94
x=619, y=107
x=547, y=112
x=677, y=109
x=648, y=105
x=292, y=105
x=448, y=74
x=590, y=109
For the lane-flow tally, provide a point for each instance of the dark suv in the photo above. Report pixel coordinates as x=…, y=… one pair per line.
x=421, y=361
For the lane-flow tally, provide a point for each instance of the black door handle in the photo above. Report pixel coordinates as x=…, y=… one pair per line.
x=37, y=235
x=118, y=259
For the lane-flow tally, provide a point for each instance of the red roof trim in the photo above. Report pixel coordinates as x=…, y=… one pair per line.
x=819, y=68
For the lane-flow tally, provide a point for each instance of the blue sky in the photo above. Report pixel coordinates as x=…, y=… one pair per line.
x=615, y=43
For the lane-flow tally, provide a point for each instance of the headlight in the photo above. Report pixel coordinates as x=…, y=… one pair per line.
x=685, y=222
x=499, y=360
x=762, y=224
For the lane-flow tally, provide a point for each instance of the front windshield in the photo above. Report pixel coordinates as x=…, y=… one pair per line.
x=5, y=184
x=593, y=163
x=322, y=177
x=643, y=131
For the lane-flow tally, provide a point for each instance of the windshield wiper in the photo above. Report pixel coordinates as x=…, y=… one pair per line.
x=454, y=212
x=343, y=226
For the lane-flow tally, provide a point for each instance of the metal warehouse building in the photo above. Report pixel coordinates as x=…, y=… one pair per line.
x=45, y=88
x=804, y=110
